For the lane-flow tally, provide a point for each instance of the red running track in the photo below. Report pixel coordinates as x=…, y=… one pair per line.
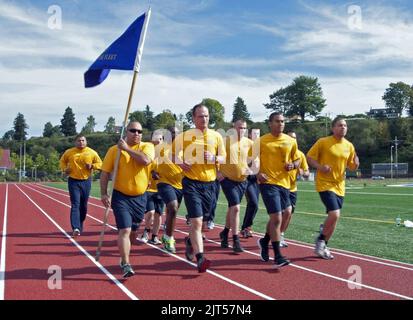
x=33, y=247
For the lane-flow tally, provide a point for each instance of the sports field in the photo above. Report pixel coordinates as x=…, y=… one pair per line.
x=367, y=224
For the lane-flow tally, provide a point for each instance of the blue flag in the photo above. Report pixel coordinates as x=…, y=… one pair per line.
x=123, y=54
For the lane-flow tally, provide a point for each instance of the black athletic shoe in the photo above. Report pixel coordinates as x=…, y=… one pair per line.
x=237, y=246
x=203, y=264
x=263, y=249
x=189, y=251
x=280, y=262
x=224, y=239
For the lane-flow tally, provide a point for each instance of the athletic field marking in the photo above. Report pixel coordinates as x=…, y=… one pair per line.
x=336, y=251
x=369, y=193
x=262, y=295
x=322, y=273
x=244, y=206
x=321, y=214
x=297, y=266
x=102, y=268
x=344, y=217
x=3, y=248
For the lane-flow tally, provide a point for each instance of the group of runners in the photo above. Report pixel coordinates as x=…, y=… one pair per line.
x=191, y=166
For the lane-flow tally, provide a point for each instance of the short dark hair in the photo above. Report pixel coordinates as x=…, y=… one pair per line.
x=337, y=119
x=274, y=114
x=199, y=105
x=80, y=135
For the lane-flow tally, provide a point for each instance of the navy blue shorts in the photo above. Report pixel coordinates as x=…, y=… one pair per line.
x=293, y=198
x=276, y=198
x=331, y=200
x=154, y=202
x=199, y=197
x=169, y=193
x=233, y=190
x=128, y=210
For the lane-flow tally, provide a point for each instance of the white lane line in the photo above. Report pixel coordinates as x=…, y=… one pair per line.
x=240, y=285
x=348, y=254
x=369, y=193
x=324, y=274
x=313, y=271
x=102, y=268
x=303, y=268
x=3, y=248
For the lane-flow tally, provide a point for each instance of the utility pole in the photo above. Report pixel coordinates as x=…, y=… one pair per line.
x=20, y=164
x=24, y=159
x=395, y=143
x=391, y=162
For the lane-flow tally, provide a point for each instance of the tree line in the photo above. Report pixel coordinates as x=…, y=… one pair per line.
x=302, y=102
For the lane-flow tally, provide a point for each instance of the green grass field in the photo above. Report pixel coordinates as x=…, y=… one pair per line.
x=367, y=223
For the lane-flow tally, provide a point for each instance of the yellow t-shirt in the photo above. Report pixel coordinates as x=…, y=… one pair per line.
x=274, y=153
x=76, y=159
x=132, y=178
x=294, y=173
x=152, y=187
x=236, y=165
x=169, y=172
x=339, y=155
x=190, y=145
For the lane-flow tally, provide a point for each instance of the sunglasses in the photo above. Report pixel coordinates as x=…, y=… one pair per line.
x=135, y=130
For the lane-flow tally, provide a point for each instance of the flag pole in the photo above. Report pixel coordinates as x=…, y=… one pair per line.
x=115, y=170
x=136, y=69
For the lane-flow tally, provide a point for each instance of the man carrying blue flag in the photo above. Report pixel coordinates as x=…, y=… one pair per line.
x=123, y=54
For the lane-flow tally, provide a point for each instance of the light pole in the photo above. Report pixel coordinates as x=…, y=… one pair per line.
x=391, y=162
x=397, y=165
x=20, y=164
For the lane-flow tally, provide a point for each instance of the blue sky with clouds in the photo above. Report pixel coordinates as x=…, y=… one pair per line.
x=195, y=49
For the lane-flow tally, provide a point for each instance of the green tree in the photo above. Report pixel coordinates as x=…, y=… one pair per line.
x=398, y=97
x=216, y=113
x=48, y=130
x=410, y=110
x=278, y=101
x=89, y=126
x=68, y=123
x=240, y=111
x=110, y=125
x=149, y=119
x=138, y=116
x=8, y=135
x=20, y=127
x=304, y=98
x=165, y=119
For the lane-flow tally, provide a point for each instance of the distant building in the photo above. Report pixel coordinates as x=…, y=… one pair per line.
x=5, y=161
x=387, y=113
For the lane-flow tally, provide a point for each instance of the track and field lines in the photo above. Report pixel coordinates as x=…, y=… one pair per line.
x=344, y=280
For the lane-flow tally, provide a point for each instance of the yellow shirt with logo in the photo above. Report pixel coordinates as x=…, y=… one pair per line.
x=169, y=172
x=294, y=173
x=132, y=178
x=274, y=153
x=338, y=154
x=190, y=146
x=76, y=159
x=238, y=153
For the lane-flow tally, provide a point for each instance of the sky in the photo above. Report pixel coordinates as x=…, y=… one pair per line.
x=195, y=49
